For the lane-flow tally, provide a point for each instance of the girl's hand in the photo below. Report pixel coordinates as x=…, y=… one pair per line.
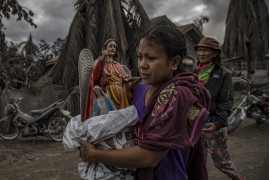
x=86, y=151
x=211, y=128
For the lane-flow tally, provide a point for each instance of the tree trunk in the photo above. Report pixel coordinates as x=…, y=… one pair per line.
x=247, y=22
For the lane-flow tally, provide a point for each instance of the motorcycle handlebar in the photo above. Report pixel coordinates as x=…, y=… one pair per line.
x=237, y=73
x=245, y=79
x=241, y=75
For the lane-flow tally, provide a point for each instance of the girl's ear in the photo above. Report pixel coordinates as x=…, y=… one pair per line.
x=175, y=62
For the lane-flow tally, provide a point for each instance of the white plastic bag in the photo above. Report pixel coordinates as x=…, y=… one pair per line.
x=109, y=131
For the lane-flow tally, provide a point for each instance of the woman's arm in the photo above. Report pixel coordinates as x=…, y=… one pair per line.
x=223, y=104
x=131, y=157
x=225, y=101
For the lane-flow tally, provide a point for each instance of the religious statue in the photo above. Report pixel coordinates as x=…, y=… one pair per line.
x=107, y=114
x=102, y=103
x=111, y=77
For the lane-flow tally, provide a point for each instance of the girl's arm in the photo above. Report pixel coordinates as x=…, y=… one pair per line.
x=131, y=157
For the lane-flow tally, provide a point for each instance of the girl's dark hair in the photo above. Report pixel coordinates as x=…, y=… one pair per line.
x=105, y=46
x=172, y=41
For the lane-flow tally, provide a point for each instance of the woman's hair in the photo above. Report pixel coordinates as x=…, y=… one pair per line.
x=172, y=41
x=217, y=59
x=105, y=46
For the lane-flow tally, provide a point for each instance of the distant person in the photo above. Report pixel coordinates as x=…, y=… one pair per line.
x=172, y=107
x=217, y=79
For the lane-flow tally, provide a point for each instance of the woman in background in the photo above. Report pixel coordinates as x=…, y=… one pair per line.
x=217, y=79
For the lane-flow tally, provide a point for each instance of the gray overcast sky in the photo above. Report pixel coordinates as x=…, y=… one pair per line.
x=54, y=17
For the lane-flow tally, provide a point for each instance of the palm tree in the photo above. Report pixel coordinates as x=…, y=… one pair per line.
x=30, y=50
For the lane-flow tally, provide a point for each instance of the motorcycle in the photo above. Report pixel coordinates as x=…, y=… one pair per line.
x=50, y=121
x=254, y=105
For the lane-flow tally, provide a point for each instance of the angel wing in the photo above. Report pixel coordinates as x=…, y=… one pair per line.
x=85, y=63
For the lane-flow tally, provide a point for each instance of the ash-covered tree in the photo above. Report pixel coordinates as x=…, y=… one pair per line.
x=10, y=8
x=247, y=32
x=58, y=46
x=33, y=67
x=44, y=50
x=12, y=67
x=10, y=59
x=29, y=49
x=198, y=22
x=45, y=53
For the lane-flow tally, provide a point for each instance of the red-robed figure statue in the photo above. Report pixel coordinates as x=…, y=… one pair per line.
x=111, y=77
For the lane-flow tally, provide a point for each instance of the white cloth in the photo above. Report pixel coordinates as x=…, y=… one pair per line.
x=111, y=127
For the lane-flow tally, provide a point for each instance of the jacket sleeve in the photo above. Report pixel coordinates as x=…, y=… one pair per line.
x=225, y=101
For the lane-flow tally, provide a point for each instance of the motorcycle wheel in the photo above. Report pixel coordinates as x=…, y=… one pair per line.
x=8, y=130
x=56, y=128
x=234, y=122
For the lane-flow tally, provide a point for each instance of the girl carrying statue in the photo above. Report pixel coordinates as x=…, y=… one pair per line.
x=108, y=90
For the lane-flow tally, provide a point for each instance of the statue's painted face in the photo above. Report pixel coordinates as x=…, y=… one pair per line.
x=98, y=92
x=111, y=48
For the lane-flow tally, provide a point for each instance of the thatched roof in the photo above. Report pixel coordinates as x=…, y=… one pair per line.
x=192, y=30
x=184, y=28
x=161, y=20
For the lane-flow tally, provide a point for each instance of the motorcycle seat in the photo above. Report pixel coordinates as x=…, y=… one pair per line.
x=25, y=117
x=40, y=111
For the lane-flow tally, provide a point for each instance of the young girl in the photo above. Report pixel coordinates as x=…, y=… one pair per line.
x=172, y=108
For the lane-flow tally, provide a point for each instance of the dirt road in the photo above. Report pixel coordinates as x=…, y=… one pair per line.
x=249, y=148
x=44, y=159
